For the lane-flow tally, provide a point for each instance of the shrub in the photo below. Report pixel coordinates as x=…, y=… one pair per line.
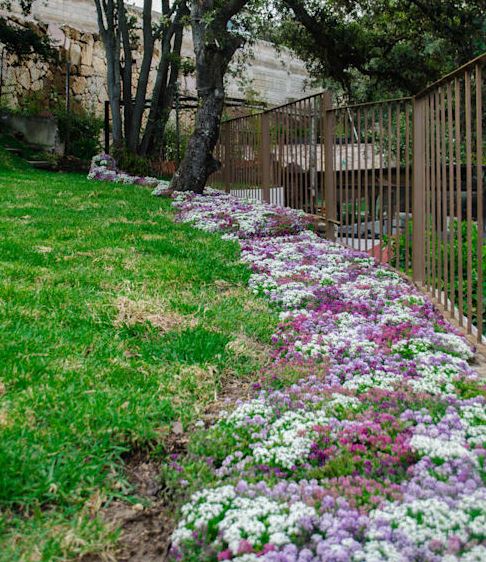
x=170, y=142
x=81, y=131
x=132, y=163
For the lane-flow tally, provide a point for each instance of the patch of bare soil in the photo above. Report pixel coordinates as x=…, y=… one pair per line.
x=145, y=529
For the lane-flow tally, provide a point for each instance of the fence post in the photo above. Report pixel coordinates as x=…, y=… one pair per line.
x=418, y=205
x=329, y=184
x=266, y=162
x=227, y=157
x=107, y=127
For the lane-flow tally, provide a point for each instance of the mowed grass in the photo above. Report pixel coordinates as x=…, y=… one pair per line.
x=115, y=323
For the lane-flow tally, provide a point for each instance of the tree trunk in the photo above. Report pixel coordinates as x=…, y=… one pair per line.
x=133, y=136
x=111, y=40
x=127, y=68
x=165, y=84
x=214, y=46
x=199, y=163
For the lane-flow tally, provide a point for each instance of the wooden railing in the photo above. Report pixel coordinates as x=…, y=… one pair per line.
x=400, y=179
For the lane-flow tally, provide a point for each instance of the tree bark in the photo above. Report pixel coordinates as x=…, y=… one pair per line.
x=111, y=39
x=114, y=26
x=127, y=68
x=214, y=46
x=165, y=81
x=133, y=136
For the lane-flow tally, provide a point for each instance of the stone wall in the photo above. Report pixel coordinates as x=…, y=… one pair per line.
x=72, y=24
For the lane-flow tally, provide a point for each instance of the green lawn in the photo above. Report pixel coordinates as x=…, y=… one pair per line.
x=114, y=324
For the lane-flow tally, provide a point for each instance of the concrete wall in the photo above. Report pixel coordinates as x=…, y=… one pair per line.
x=72, y=24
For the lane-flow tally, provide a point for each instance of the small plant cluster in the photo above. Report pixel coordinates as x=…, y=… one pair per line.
x=237, y=218
x=365, y=439
x=104, y=168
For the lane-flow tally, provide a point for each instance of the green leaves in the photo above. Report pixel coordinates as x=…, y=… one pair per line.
x=79, y=387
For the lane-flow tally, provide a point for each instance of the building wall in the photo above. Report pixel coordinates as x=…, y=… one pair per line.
x=72, y=24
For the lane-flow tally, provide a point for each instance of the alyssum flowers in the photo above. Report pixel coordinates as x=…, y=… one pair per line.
x=103, y=168
x=367, y=438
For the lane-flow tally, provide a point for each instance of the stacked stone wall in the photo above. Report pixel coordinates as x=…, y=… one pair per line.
x=72, y=26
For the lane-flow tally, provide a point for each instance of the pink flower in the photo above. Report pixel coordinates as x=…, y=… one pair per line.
x=245, y=547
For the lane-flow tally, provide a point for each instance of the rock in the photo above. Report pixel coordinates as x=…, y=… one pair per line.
x=86, y=70
x=75, y=54
x=35, y=73
x=99, y=66
x=56, y=34
x=177, y=428
x=36, y=86
x=87, y=53
x=23, y=77
x=79, y=85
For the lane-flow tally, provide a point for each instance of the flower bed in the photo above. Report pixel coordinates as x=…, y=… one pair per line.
x=366, y=436
x=103, y=168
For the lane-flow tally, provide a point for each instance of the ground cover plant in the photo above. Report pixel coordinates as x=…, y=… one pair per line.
x=104, y=168
x=115, y=325
x=365, y=439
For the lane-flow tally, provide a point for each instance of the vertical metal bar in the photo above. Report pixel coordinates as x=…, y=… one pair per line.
x=334, y=167
x=358, y=198
x=293, y=148
x=373, y=178
x=407, y=188
x=460, y=269
x=321, y=147
x=307, y=144
x=225, y=130
x=353, y=196
x=443, y=242
x=467, y=105
x=107, y=127
x=346, y=177
x=341, y=177
x=329, y=173
x=433, y=191
x=451, y=227
x=178, y=123
x=427, y=185
x=438, y=193
x=381, y=182
x=479, y=206
x=366, y=195
x=287, y=191
x=418, y=225
x=306, y=147
x=281, y=157
x=389, y=210
x=398, y=173
x=301, y=157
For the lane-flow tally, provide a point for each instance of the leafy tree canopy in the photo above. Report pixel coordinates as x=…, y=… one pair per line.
x=23, y=41
x=376, y=48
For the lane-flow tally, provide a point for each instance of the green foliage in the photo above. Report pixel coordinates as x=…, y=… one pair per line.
x=85, y=377
x=81, y=131
x=383, y=48
x=443, y=248
x=25, y=41
x=132, y=163
x=34, y=104
x=78, y=128
x=170, y=142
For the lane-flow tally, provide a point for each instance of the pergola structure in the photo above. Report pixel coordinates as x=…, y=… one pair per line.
x=182, y=102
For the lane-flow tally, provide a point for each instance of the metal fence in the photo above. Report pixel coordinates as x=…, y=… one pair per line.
x=400, y=179
x=449, y=163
